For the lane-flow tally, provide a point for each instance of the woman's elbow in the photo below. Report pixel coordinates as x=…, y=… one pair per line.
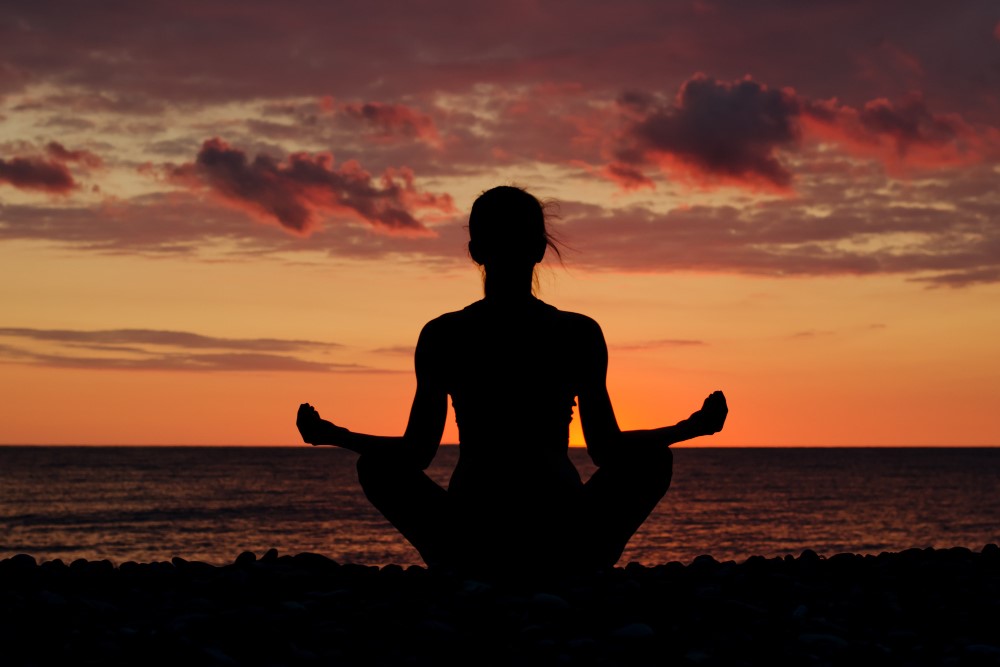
x=599, y=454
x=422, y=455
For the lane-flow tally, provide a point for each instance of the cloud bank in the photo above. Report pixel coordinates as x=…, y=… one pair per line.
x=881, y=143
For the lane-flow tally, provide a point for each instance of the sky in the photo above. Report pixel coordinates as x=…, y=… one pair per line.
x=211, y=212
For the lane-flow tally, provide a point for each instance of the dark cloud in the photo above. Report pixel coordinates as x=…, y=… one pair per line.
x=727, y=130
x=743, y=132
x=35, y=173
x=303, y=187
x=49, y=173
x=201, y=50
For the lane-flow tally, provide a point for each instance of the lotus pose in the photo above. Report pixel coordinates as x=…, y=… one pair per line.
x=514, y=368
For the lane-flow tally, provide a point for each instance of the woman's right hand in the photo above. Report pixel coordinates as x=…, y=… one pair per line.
x=712, y=415
x=315, y=430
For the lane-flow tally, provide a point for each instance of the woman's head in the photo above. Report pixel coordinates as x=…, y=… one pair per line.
x=507, y=228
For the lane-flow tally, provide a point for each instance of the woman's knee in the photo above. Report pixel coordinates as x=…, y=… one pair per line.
x=375, y=474
x=372, y=466
x=649, y=470
x=653, y=468
x=657, y=462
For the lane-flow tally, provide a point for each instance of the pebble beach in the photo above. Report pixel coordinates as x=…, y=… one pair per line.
x=916, y=607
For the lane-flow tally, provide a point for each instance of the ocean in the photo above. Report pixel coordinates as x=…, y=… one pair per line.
x=211, y=503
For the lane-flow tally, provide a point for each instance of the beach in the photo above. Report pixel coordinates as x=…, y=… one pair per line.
x=915, y=607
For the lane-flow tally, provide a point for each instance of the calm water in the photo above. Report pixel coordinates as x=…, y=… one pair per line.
x=209, y=504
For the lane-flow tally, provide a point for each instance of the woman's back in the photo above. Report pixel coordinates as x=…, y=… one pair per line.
x=513, y=371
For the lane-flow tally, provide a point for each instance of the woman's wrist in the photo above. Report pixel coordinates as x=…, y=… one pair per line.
x=689, y=428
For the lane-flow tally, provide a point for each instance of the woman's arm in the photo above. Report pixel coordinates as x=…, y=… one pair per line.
x=419, y=443
x=604, y=437
x=707, y=420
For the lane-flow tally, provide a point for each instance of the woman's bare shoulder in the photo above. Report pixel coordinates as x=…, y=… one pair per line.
x=579, y=323
x=447, y=324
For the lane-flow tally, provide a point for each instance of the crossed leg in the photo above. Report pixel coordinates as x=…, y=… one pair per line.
x=414, y=503
x=616, y=500
x=611, y=506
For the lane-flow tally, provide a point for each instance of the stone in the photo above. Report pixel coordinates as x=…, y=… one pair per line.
x=633, y=631
x=246, y=558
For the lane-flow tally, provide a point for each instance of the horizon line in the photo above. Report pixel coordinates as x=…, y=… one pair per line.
x=581, y=447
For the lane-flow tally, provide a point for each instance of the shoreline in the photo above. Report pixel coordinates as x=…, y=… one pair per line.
x=919, y=606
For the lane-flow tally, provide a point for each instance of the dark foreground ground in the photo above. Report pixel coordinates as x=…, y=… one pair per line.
x=918, y=607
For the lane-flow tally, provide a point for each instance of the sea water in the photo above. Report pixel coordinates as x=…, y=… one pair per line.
x=211, y=503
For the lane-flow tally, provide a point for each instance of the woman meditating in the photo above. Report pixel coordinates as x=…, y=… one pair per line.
x=514, y=368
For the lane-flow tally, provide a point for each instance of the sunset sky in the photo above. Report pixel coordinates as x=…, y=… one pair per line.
x=211, y=212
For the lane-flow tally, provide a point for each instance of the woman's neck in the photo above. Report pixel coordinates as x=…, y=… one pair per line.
x=508, y=285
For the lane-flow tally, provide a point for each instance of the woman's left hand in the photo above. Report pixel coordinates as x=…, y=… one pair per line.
x=712, y=416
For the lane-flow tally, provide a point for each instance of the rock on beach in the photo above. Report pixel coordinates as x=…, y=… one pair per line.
x=916, y=607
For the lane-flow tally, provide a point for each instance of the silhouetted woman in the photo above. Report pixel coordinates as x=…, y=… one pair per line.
x=513, y=366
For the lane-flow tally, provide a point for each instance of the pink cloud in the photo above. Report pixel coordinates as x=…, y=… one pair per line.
x=300, y=190
x=58, y=152
x=392, y=121
x=629, y=178
x=900, y=134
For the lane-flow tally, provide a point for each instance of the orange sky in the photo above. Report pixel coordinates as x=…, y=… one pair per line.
x=185, y=258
